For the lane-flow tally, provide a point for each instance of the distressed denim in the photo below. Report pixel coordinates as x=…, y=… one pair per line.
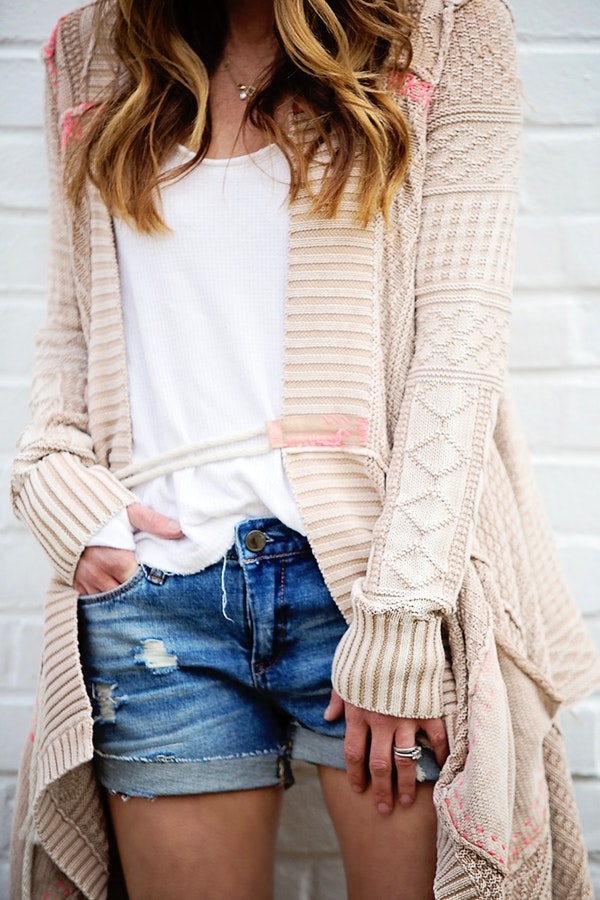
x=215, y=681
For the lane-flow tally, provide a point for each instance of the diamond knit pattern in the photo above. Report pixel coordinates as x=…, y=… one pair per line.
x=456, y=376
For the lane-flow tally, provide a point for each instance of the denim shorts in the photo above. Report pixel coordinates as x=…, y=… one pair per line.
x=215, y=681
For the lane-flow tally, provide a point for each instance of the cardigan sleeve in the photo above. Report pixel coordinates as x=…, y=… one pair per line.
x=58, y=488
x=391, y=659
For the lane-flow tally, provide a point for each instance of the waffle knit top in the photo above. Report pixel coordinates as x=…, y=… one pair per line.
x=203, y=315
x=402, y=451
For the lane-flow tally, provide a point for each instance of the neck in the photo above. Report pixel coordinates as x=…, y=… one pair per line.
x=251, y=23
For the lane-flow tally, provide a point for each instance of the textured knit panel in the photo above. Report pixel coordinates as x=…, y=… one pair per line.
x=516, y=604
x=486, y=883
x=20, y=842
x=534, y=877
x=541, y=854
x=461, y=315
x=476, y=790
x=329, y=312
x=81, y=843
x=445, y=424
x=107, y=382
x=49, y=881
x=454, y=880
x=63, y=733
x=565, y=642
x=570, y=874
x=328, y=368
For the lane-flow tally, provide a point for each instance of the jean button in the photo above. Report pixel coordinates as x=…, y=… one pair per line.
x=255, y=540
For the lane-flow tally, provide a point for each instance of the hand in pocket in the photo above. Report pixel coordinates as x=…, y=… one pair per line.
x=103, y=569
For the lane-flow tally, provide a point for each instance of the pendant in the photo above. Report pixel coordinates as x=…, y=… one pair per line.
x=246, y=90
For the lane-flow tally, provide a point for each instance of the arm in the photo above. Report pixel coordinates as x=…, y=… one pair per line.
x=391, y=659
x=58, y=488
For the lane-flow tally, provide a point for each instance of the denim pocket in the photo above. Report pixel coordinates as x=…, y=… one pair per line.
x=114, y=593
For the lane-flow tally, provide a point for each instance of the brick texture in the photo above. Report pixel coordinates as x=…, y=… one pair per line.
x=555, y=362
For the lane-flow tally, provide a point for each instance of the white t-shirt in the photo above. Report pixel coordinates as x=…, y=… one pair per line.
x=203, y=313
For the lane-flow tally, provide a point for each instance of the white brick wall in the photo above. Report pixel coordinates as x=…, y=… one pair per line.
x=555, y=362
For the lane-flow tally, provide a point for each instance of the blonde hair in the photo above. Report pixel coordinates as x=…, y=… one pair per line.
x=333, y=61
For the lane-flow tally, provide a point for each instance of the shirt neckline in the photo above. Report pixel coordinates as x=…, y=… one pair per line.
x=241, y=160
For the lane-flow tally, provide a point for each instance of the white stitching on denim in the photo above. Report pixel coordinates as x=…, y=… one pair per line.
x=224, y=591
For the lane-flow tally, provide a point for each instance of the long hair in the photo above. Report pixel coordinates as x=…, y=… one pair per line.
x=334, y=55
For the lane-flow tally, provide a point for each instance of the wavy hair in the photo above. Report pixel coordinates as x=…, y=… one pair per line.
x=333, y=60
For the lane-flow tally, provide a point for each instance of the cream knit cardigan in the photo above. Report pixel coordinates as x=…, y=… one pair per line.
x=416, y=492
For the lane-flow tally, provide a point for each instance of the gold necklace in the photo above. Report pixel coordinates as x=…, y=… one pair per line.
x=245, y=90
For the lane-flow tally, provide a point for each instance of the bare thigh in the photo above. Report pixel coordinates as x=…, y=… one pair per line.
x=384, y=856
x=201, y=847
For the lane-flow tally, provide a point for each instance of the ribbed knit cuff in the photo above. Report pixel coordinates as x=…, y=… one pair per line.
x=391, y=662
x=65, y=502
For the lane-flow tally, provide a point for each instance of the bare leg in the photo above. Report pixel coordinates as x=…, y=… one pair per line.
x=201, y=847
x=390, y=856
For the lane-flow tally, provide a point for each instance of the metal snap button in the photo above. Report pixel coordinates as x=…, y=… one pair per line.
x=255, y=540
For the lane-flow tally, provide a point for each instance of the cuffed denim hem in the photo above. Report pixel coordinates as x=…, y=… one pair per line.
x=169, y=776
x=319, y=749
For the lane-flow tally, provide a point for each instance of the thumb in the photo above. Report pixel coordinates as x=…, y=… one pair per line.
x=145, y=519
x=335, y=707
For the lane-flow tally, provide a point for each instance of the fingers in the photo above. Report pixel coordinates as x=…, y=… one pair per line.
x=368, y=753
x=103, y=569
x=335, y=707
x=368, y=749
x=381, y=766
x=356, y=748
x=436, y=733
x=406, y=770
x=145, y=519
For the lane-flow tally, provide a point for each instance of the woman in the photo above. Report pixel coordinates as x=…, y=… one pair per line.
x=360, y=165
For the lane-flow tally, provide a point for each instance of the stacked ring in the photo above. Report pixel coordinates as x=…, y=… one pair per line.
x=415, y=752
